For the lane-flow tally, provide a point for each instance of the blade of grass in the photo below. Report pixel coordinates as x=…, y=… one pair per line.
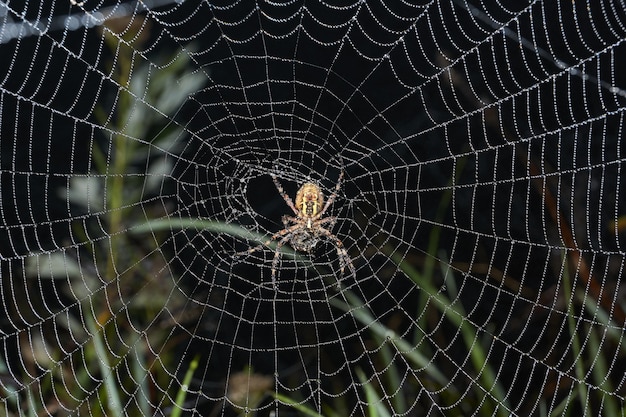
x=600, y=368
x=374, y=402
x=184, y=388
x=32, y=408
x=392, y=377
x=579, y=367
x=360, y=312
x=7, y=388
x=213, y=226
x=564, y=407
x=140, y=375
x=110, y=386
x=600, y=374
x=456, y=315
x=615, y=332
x=478, y=355
x=296, y=405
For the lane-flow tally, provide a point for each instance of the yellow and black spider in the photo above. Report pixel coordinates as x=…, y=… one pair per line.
x=304, y=231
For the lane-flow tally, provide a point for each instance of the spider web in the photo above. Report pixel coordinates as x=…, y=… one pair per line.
x=482, y=208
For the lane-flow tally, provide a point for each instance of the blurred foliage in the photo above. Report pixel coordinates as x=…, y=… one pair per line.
x=122, y=284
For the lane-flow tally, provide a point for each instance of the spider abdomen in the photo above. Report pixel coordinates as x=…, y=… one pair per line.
x=309, y=200
x=310, y=207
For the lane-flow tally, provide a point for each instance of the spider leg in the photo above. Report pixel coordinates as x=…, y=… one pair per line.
x=342, y=254
x=254, y=249
x=284, y=195
x=288, y=219
x=331, y=198
x=279, y=245
x=331, y=220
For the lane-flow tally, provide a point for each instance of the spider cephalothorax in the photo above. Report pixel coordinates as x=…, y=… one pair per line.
x=304, y=231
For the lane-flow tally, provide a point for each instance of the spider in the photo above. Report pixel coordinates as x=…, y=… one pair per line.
x=304, y=231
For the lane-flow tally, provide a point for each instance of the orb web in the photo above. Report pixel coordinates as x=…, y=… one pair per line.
x=480, y=208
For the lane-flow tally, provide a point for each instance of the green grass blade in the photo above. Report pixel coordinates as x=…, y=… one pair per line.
x=360, y=312
x=375, y=405
x=184, y=388
x=160, y=225
x=110, y=385
x=296, y=405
